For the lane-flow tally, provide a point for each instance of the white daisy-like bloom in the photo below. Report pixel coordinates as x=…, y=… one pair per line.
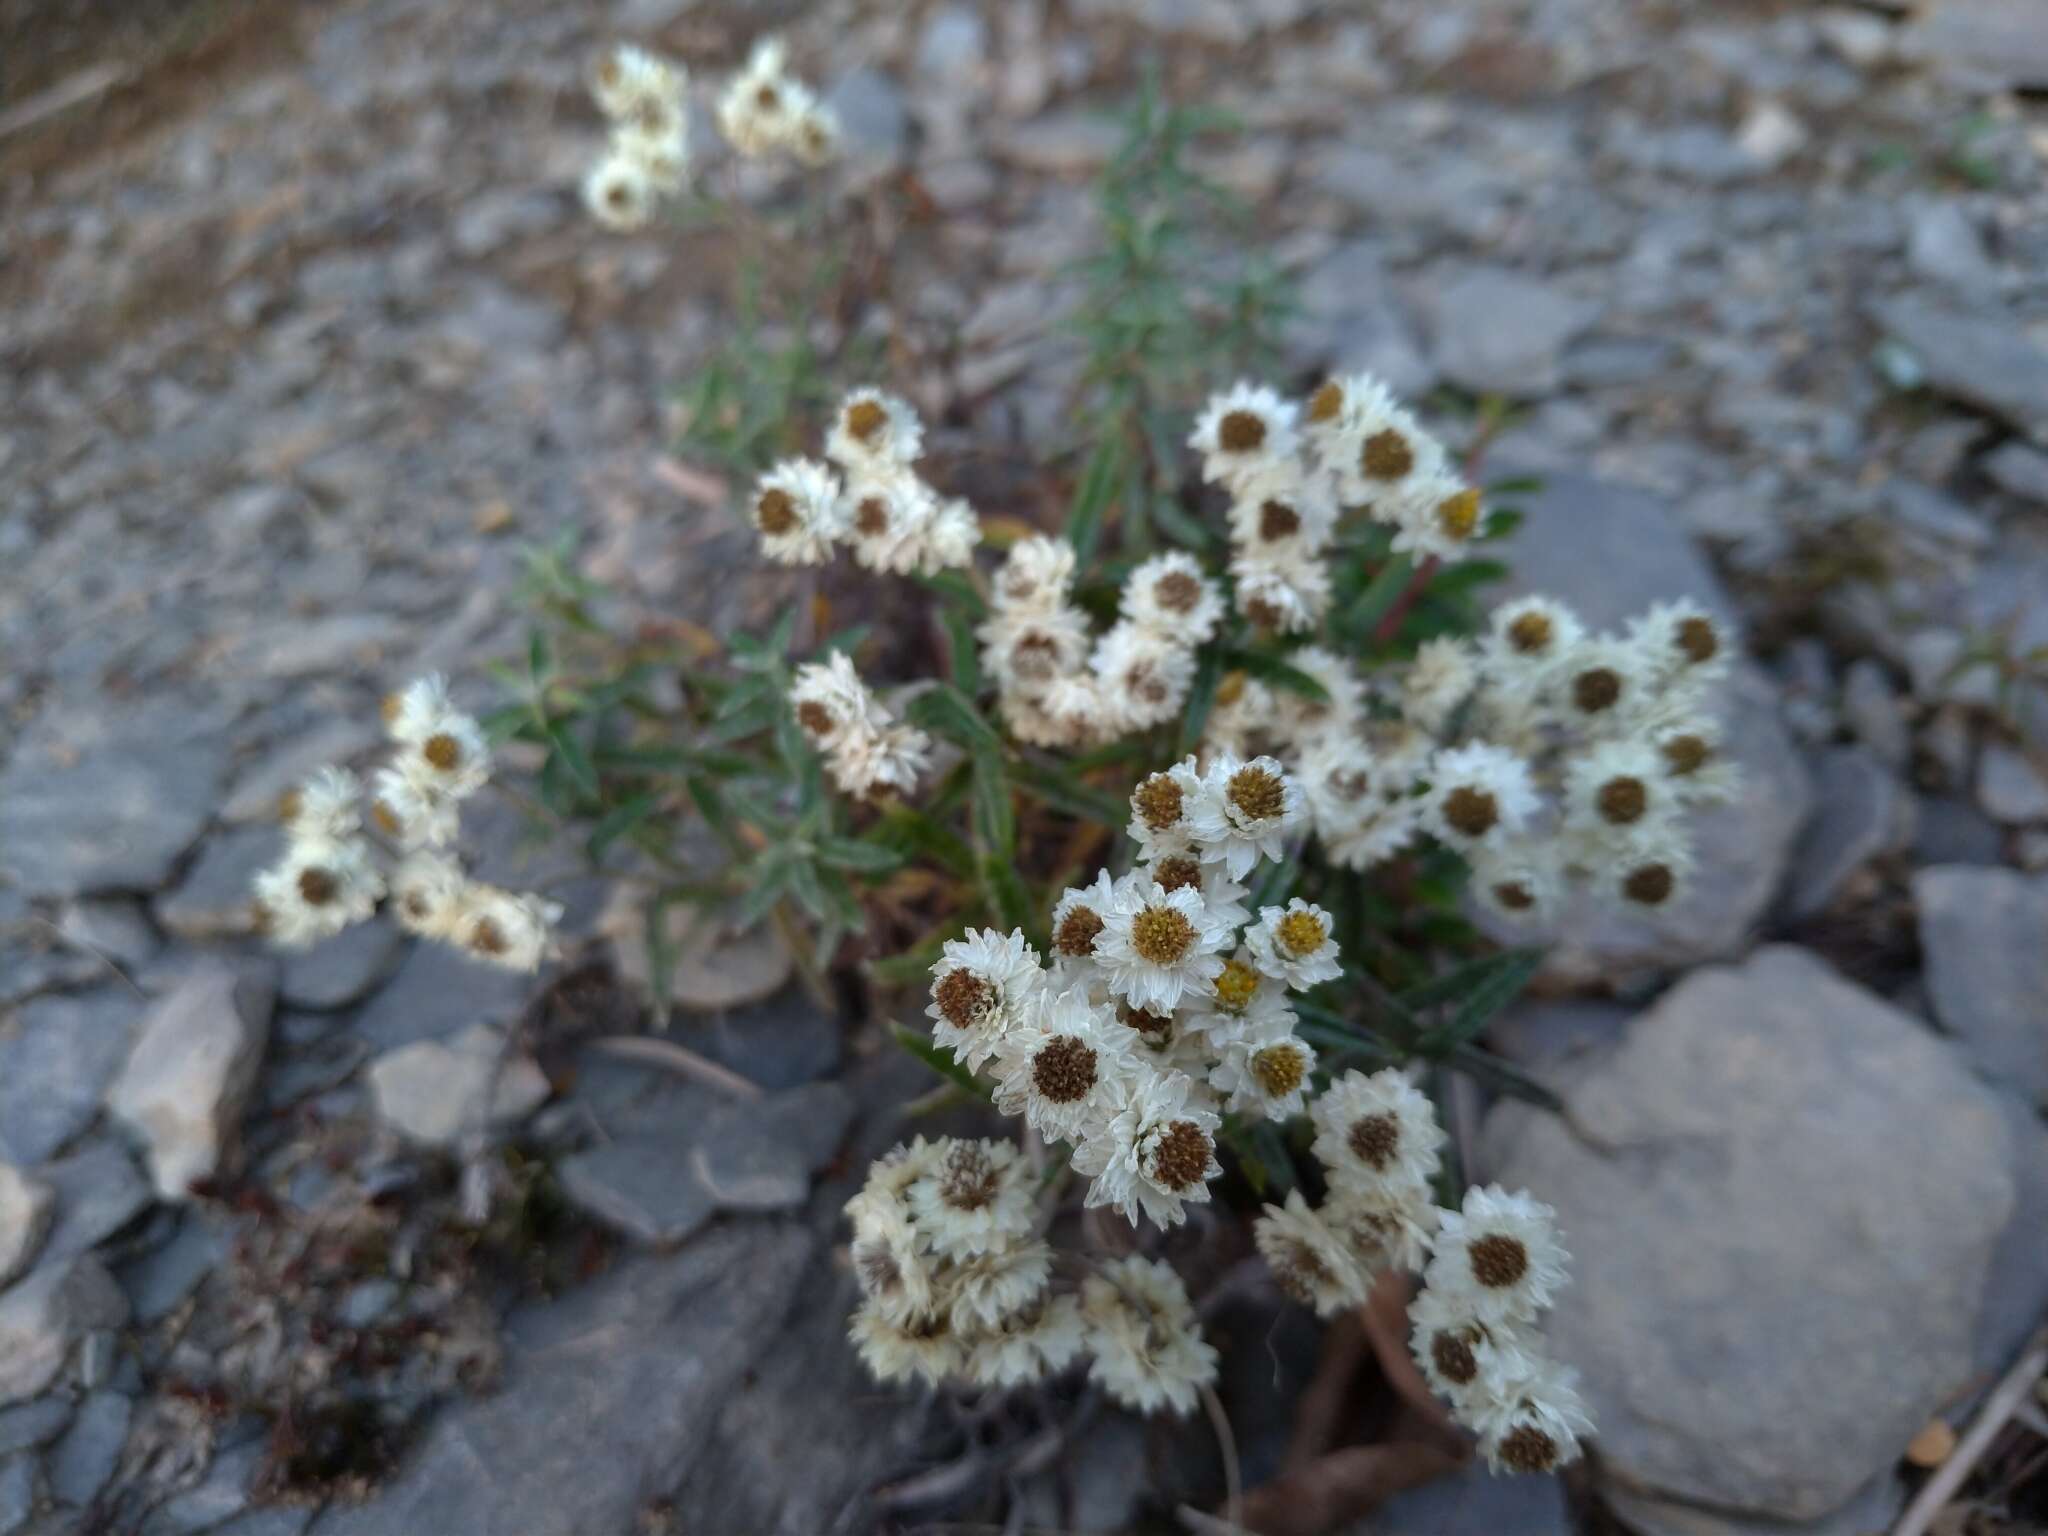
x=1038, y=1340
x=1287, y=596
x=321, y=886
x=1243, y=434
x=889, y=755
x=626, y=75
x=327, y=805
x=1696, y=771
x=1145, y=678
x=1373, y=839
x=1527, y=639
x=1026, y=651
x=666, y=161
x=886, y=517
x=1651, y=876
x=619, y=193
x=1036, y=574
x=416, y=711
x=1682, y=640
x=1156, y=1153
x=1520, y=881
x=761, y=106
x=1262, y=1070
x=1065, y=1066
x=1295, y=944
x=874, y=433
x=409, y=813
x=1378, y=452
x=1025, y=719
x=1163, y=808
x=1605, y=686
x=1240, y=1001
x=830, y=700
x=427, y=890
x=977, y=1200
x=1078, y=919
x=1168, y=596
x=1480, y=796
x=1157, y=945
x=1439, y=517
x=798, y=511
x=1077, y=704
x=1170, y=1044
x=1617, y=791
x=889, y=1261
x=981, y=987
x=949, y=538
x=451, y=760
x=1307, y=719
x=1499, y=1256
x=917, y=1347
x=993, y=1285
x=1246, y=813
x=1283, y=515
x=1531, y=1418
x=886, y=1194
x=1149, y=1353
x=1244, y=718
x=1387, y=1226
x=505, y=928
x=1441, y=677
x=1224, y=897
x=1310, y=1263
x=1458, y=1355
x=1376, y=1130
x=815, y=136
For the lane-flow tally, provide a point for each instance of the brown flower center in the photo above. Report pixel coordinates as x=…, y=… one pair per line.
x=1525, y=1448
x=766, y=97
x=1514, y=895
x=1299, y=1270
x=1037, y=656
x=1650, y=885
x=871, y=517
x=389, y=706
x=775, y=511
x=289, y=804
x=387, y=819
x=1264, y=613
x=1498, y=1260
x=1326, y=402
x=1531, y=633
x=1064, y=1070
x=1596, y=689
x=1161, y=935
x=1258, y=792
x=1158, y=800
x=1623, y=800
x=487, y=938
x=1458, y=515
x=816, y=718
x=1178, y=872
x=964, y=999
x=443, y=751
x=1687, y=754
x=1386, y=456
x=1451, y=1354
x=1375, y=1139
x=1696, y=637
x=864, y=418
x=1181, y=1157
x=1177, y=592
x=879, y=1272
x=1279, y=1069
x=1471, y=811
x=1077, y=932
x=1301, y=933
x=1240, y=431
x=1236, y=985
x=1278, y=521
x=1144, y=1020
x=317, y=887
x=970, y=1179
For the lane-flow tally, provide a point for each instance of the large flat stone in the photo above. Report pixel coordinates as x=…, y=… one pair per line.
x=43, y=1316
x=1773, y=1286
x=117, y=819
x=56, y=1060
x=26, y=1208
x=1500, y=332
x=435, y=992
x=212, y=901
x=436, y=1092
x=1985, y=361
x=1984, y=941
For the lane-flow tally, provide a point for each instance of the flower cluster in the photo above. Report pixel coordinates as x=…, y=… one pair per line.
x=1492, y=1267
x=865, y=746
x=890, y=518
x=648, y=154
x=766, y=111
x=331, y=876
x=1057, y=684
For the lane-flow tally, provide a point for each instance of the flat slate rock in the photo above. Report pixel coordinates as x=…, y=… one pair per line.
x=99, y=1191
x=780, y=1043
x=1473, y=1502
x=760, y=1156
x=643, y=1186
x=56, y=1060
x=1986, y=967
x=342, y=970
x=213, y=899
x=118, y=819
x=436, y=992
x=1861, y=812
x=82, y=1462
x=1982, y=360
x=1742, y=1140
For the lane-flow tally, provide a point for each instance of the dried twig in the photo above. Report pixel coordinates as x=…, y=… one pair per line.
x=1226, y=1441
x=666, y=1053
x=1998, y=1408
x=1322, y=1405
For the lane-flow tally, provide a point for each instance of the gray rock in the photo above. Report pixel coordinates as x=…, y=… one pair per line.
x=1742, y=1140
x=213, y=899
x=1069, y=143
x=27, y=1206
x=436, y=991
x=1871, y=710
x=1497, y=331
x=158, y=1282
x=367, y=1301
x=1942, y=244
x=1986, y=968
x=188, y=1077
x=55, y=1063
x=435, y=1092
x=30, y=1425
x=1872, y=1509
x=1937, y=518
x=1861, y=812
x=759, y=1156
x=652, y=1357
x=99, y=1191
x=1952, y=831
x=873, y=119
x=2009, y=787
x=258, y=790
x=778, y=1044
x=42, y=1317
x=1985, y=41
x=343, y=969
x=2020, y=471
x=2016, y=1289
x=118, y=819
x=85, y=1458
x=18, y=1492
x=952, y=51
x=116, y=929
x=1988, y=363
x=221, y=1495
x=1473, y=1502
x=644, y=1186
x=275, y=1520
x=1545, y=1032
x=1351, y=317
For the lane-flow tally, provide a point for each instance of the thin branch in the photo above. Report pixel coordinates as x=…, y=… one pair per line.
x=1998, y=1408
x=666, y=1053
x=1226, y=1441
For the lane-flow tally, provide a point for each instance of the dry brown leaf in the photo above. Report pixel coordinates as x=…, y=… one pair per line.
x=1335, y=1489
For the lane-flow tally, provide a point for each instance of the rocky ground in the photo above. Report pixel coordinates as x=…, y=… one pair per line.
x=305, y=335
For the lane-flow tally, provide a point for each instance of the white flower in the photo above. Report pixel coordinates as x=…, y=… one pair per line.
x=874, y=433
x=1533, y=1417
x=1238, y=1002
x=1222, y=897
x=1079, y=917
x=1026, y=719
x=1169, y=597
x=761, y=107
x=1156, y=1153
x=886, y=517
x=1148, y=1347
x=980, y=988
x=327, y=805
x=1246, y=812
x=1295, y=944
x=426, y=894
x=1242, y=719
x=1378, y=453
x=409, y=813
x=416, y=712
x=977, y=1200
x=1374, y=838
x=321, y=887
x=1163, y=807
x=1157, y=944
x=993, y=1285
x=507, y=929
x=830, y=701
x=1282, y=516
x=1064, y=1066
x=1605, y=685
x=1499, y=1256
x=1682, y=641
x=1527, y=639
x=1285, y=595
x=920, y=1346
x=1459, y=1356
x=1651, y=877
x=949, y=538
x=1376, y=1131
x=1441, y=678
x=619, y=193
x=1145, y=678
x=1310, y=1263
x=889, y=1260
x=451, y=759
x=1617, y=790
x=1520, y=881
x=1040, y=1339
x=1076, y=705
x=1439, y=516
x=1026, y=651
x=798, y=512
x=815, y=137
x=1306, y=719
x=1263, y=1069
x=1243, y=433
x=1695, y=770
x=1386, y=1226
x=1480, y=796
x=625, y=76
x=884, y=755
x=1035, y=575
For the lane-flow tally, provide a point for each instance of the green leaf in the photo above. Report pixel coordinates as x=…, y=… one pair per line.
x=618, y=821
x=995, y=821
x=770, y=878
x=1061, y=789
x=1478, y=1007
x=1092, y=496
x=945, y=711
x=1502, y=1077
x=805, y=886
x=960, y=640
x=1469, y=976
x=1277, y=670
x=538, y=664
x=913, y=832
x=860, y=857
x=1515, y=485
x=939, y=1060
x=1380, y=595
x=1201, y=696
x=1006, y=893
